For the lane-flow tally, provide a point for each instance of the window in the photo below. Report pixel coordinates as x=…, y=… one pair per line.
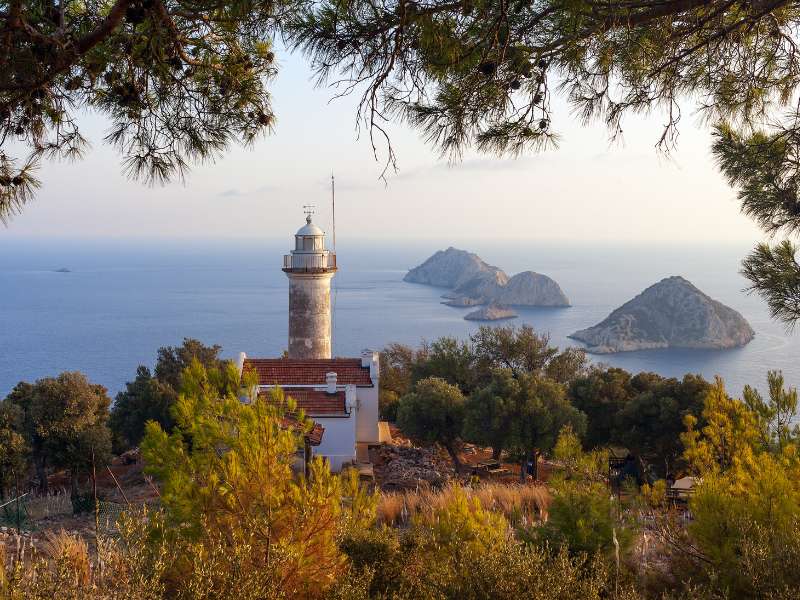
x=308, y=243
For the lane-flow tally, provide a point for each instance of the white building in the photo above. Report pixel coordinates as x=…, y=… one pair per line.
x=339, y=394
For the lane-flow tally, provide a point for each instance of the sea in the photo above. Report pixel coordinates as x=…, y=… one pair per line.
x=123, y=299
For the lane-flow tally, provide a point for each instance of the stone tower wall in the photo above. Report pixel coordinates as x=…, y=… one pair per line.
x=310, y=315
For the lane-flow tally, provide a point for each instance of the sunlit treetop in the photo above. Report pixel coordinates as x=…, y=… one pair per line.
x=179, y=80
x=182, y=79
x=483, y=72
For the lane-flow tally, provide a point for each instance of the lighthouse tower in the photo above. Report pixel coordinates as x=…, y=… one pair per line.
x=310, y=268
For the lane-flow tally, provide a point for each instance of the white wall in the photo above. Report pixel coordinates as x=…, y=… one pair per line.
x=338, y=441
x=367, y=418
x=367, y=426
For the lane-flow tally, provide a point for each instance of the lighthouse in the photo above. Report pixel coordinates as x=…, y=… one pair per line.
x=310, y=268
x=339, y=395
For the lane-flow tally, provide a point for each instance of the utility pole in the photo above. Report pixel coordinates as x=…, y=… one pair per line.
x=333, y=209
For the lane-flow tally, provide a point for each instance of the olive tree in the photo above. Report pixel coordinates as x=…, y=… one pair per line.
x=489, y=413
x=433, y=413
x=64, y=422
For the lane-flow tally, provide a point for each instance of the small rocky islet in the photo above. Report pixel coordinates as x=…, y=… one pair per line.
x=672, y=313
x=491, y=313
x=473, y=282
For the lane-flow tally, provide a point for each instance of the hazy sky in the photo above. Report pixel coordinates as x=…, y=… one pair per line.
x=586, y=190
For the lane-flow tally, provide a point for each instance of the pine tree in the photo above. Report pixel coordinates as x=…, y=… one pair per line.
x=230, y=488
x=179, y=81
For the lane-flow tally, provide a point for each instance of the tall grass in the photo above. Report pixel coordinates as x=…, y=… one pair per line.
x=49, y=505
x=3, y=576
x=520, y=504
x=129, y=566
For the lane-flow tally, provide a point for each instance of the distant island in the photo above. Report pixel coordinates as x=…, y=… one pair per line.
x=473, y=282
x=491, y=313
x=673, y=313
x=62, y=270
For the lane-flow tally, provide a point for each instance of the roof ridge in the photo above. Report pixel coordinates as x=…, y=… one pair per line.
x=288, y=372
x=312, y=360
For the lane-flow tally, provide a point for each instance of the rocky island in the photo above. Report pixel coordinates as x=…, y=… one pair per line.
x=491, y=313
x=673, y=313
x=473, y=282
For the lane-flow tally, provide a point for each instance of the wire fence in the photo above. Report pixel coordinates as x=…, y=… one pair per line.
x=29, y=512
x=109, y=513
x=13, y=513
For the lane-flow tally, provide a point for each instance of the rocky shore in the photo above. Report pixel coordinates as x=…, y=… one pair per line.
x=491, y=313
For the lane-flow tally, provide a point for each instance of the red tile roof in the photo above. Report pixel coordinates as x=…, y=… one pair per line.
x=289, y=371
x=317, y=403
x=314, y=436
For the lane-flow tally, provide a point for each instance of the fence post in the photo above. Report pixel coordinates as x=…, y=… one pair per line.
x=119, y=487
x=16, y=491
x=96, y=512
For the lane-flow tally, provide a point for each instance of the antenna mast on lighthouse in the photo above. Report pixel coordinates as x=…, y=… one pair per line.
x=333, y=209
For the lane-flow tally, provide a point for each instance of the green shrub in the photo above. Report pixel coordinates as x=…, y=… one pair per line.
x=582, y=518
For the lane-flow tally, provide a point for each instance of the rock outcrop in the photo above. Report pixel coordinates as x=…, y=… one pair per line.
x=482, y=285
x=531, y=289
x=475, y=282
x=449, y=268
x=673, y=313
x=491, y=313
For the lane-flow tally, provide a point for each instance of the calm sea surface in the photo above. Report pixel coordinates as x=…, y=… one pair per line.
x=122, y=300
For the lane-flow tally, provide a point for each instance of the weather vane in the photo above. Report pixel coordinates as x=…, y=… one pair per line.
x=309, y=210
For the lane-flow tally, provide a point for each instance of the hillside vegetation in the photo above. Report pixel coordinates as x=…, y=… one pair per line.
x=235, y=518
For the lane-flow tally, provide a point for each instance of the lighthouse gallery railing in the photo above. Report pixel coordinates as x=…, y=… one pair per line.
x=309, y=262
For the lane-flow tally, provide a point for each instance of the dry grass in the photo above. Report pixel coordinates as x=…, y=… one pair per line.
x=60, y=566
x=71, y=552
x=3, y=576
x=50, y=505
x=390, y=507
x=518, y=503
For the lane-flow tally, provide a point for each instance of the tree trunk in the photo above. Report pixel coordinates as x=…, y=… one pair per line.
x=496, y=451
x=454, y=456
x=73, y=482
x=41, y=474
x=532, y=457
x=306, y=458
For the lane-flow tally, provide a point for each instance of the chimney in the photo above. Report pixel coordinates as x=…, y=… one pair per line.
x=371, y=359
x=350, y=397
x=330, y=380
